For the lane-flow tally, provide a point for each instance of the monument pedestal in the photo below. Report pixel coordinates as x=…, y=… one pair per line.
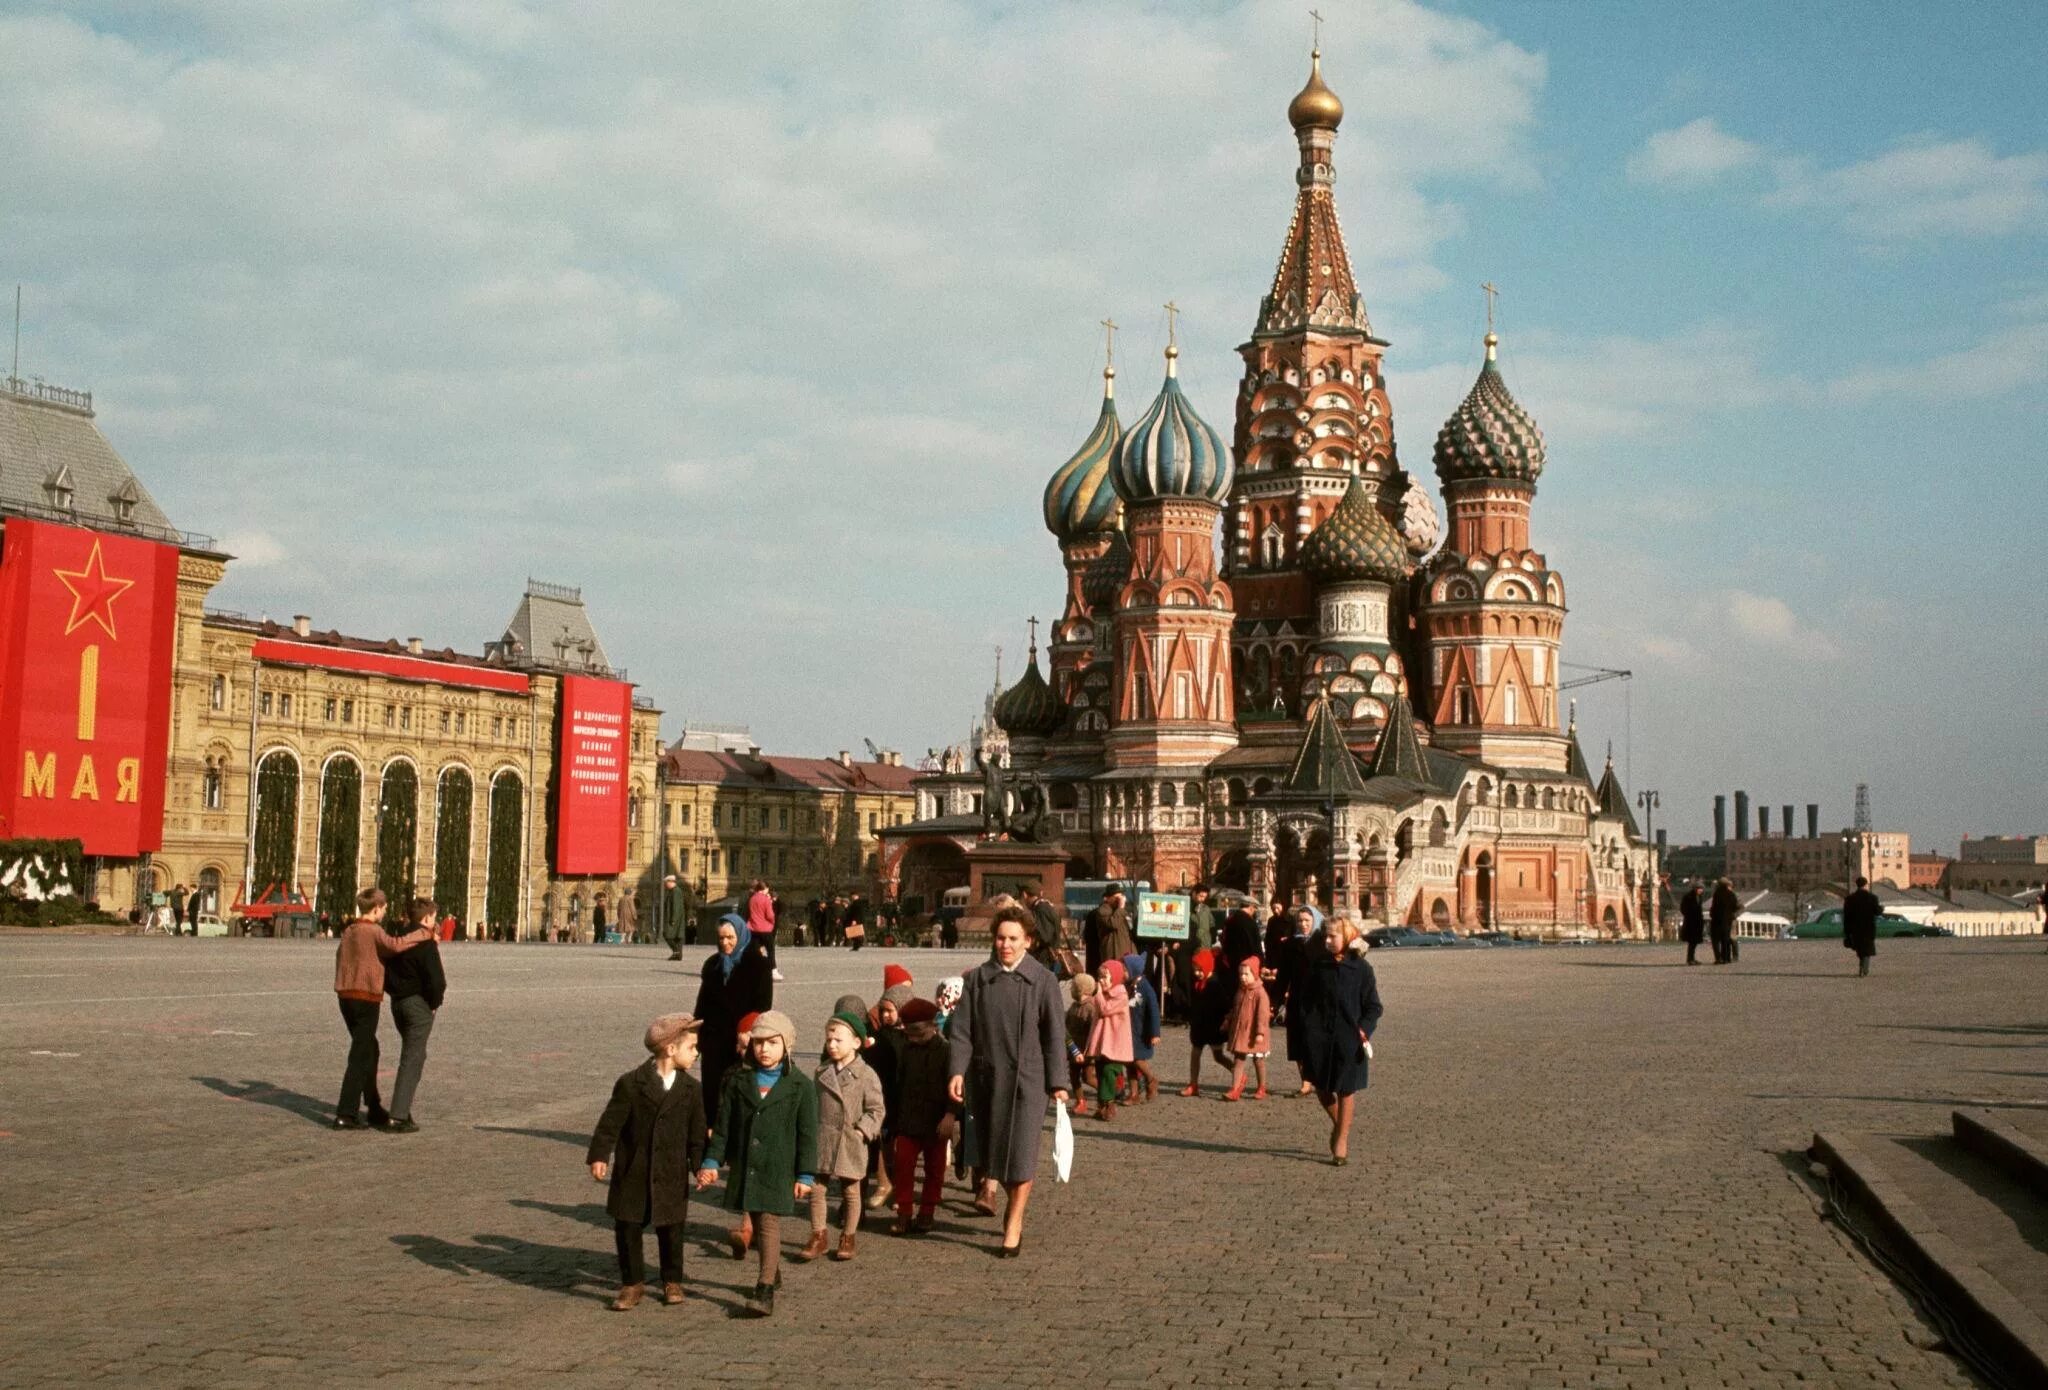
x=995, y=867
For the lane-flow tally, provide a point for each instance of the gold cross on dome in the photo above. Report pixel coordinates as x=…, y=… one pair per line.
x=1317, y=16
x=1492, y=292
x=1109, y=341
x=1034, y=633
x=1172, y=316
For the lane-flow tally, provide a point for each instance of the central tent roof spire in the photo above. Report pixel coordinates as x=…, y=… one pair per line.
x=1313, y=286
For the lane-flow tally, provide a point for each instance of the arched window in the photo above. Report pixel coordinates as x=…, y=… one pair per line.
x=398, y=831
x=341, y=829
x=1439, y=828
x=277, y=821
x=504, y=850
x=1166, y=794
x=217, y=697
x=1511, y=798
x=212, y=786
x=453, y=808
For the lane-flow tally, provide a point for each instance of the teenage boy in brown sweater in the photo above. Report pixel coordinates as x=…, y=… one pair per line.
x=359, y=989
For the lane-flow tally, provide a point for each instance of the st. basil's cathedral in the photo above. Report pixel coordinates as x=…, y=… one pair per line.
x=1350, y=707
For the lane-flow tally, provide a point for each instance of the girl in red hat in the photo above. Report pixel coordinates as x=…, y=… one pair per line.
x=1249, y=1028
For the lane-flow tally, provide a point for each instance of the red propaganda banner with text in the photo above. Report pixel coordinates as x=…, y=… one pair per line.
x=86, y=626
x=594, y=717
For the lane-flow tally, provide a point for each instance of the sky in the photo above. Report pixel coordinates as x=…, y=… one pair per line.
x=765, y=325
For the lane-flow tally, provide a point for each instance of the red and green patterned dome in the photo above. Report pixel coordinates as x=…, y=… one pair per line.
x=1356, y=544
x=1489, y=436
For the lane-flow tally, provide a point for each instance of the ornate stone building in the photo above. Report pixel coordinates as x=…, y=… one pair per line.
x=387, y=763
x=1343, y=707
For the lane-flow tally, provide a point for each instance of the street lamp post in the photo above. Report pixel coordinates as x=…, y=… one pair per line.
x=1330, y=837
x=1649, y=801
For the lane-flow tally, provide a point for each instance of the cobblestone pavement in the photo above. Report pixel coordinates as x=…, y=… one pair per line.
x=1576, y=1167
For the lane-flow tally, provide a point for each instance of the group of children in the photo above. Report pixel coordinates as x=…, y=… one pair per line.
x=874, y=1107
x=1113, y=1026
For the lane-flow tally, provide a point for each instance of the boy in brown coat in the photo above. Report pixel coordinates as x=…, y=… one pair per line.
x=851, y=1108
x=649, y=1141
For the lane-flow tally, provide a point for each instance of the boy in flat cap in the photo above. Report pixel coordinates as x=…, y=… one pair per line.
x=649, y=1142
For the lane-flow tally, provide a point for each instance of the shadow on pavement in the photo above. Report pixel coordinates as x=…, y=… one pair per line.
x=589, y=1213
x=2008, y=1030
x=1160, y=1141
x=574, y=1270
x=1628, y=964
x=320, y=1112
x=560, y=1136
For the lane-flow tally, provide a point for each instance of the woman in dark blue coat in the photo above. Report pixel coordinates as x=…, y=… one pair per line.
x=1331, y=1015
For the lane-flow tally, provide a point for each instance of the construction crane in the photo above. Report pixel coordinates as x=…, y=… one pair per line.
x=1594, y=676
x=1597, y=675
x=874, y=753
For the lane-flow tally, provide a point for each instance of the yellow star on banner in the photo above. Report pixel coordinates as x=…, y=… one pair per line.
x=93, y=592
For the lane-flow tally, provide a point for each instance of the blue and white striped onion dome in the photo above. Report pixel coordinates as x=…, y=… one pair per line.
x=1489, y=436
x=1171, y=451
x=1080, y=500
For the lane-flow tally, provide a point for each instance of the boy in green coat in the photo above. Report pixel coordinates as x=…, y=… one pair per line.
x=768, y=1122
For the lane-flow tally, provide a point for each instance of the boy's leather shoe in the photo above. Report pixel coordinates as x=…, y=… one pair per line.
x=671, y=1294
x=818, y=1245
x=404, y=1126
x=923, y=1222
x=739, y=1239
x=629, y=1298
x=900, y=1226
x=845, y=1250
x=761, y=1302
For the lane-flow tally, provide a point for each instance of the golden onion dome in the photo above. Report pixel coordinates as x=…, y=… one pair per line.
x=1315, y=104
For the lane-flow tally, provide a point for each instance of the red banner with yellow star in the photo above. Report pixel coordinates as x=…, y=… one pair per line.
x=87, y=621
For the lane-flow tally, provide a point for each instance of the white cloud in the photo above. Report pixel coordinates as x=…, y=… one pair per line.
x=254, y=549
x=1922, y=188
x=1925, y=188
x=1770, y=622
x=1698, y=152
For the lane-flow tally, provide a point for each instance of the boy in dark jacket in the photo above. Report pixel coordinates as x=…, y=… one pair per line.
x=924, y=1113
x=766, y=1132
x=415, y=984
x=650, y=1140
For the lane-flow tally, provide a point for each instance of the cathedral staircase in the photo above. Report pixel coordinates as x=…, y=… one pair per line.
x=1960, y=1220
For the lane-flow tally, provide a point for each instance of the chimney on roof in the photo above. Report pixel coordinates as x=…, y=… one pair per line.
x=302, y=624
x=414, y=645
x=753, y=750
x=1788, y=820
x=1763, y=822
x=845, y=758
x=1721, y=818
x=1813, y=820
x=1742, y=815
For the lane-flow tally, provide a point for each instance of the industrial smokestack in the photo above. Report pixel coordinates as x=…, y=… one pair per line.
x=1742, y=815
x=1662, y=844
x=1721, y=819
x=1763, y=822
x=1788, y=821
x=1813, y=820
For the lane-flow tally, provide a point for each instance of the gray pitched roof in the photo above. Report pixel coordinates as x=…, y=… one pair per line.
x=47, y=436
x=552, y=628
x=1614, y=801
x=1399, y=751
x=1324, y=766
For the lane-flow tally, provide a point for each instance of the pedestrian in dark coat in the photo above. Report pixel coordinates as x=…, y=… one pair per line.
x=675, y=914
x=416, y=985
x=736, y=982
x=767, y=1126
x=1692, y=923
x=649, y=1141
x=1106, y=935
x=1007, y=1044
x=1721, y=913
x=1337, y=1009
x=1860, y=911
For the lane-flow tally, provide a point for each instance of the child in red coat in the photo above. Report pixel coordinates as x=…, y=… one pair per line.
x=1249, y=1028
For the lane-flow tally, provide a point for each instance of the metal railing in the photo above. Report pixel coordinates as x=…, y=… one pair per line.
x=51, y=395
x=71, y=516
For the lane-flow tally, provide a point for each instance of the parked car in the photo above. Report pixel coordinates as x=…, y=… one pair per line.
x=210, y=924
x=1499, y=938
x=1379, y=938
x=1827, y=926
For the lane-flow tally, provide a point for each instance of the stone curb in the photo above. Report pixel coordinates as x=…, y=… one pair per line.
x=2007, y=1332
x=2020, y=1154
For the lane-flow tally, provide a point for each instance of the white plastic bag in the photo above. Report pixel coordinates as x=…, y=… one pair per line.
x=1062, y=1141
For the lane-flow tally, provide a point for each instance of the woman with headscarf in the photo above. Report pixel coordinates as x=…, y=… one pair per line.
x=736, y=982
x=1008, y=1058
x=1334, y=1009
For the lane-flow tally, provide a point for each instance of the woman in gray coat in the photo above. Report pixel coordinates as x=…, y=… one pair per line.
x=1007, y=1037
